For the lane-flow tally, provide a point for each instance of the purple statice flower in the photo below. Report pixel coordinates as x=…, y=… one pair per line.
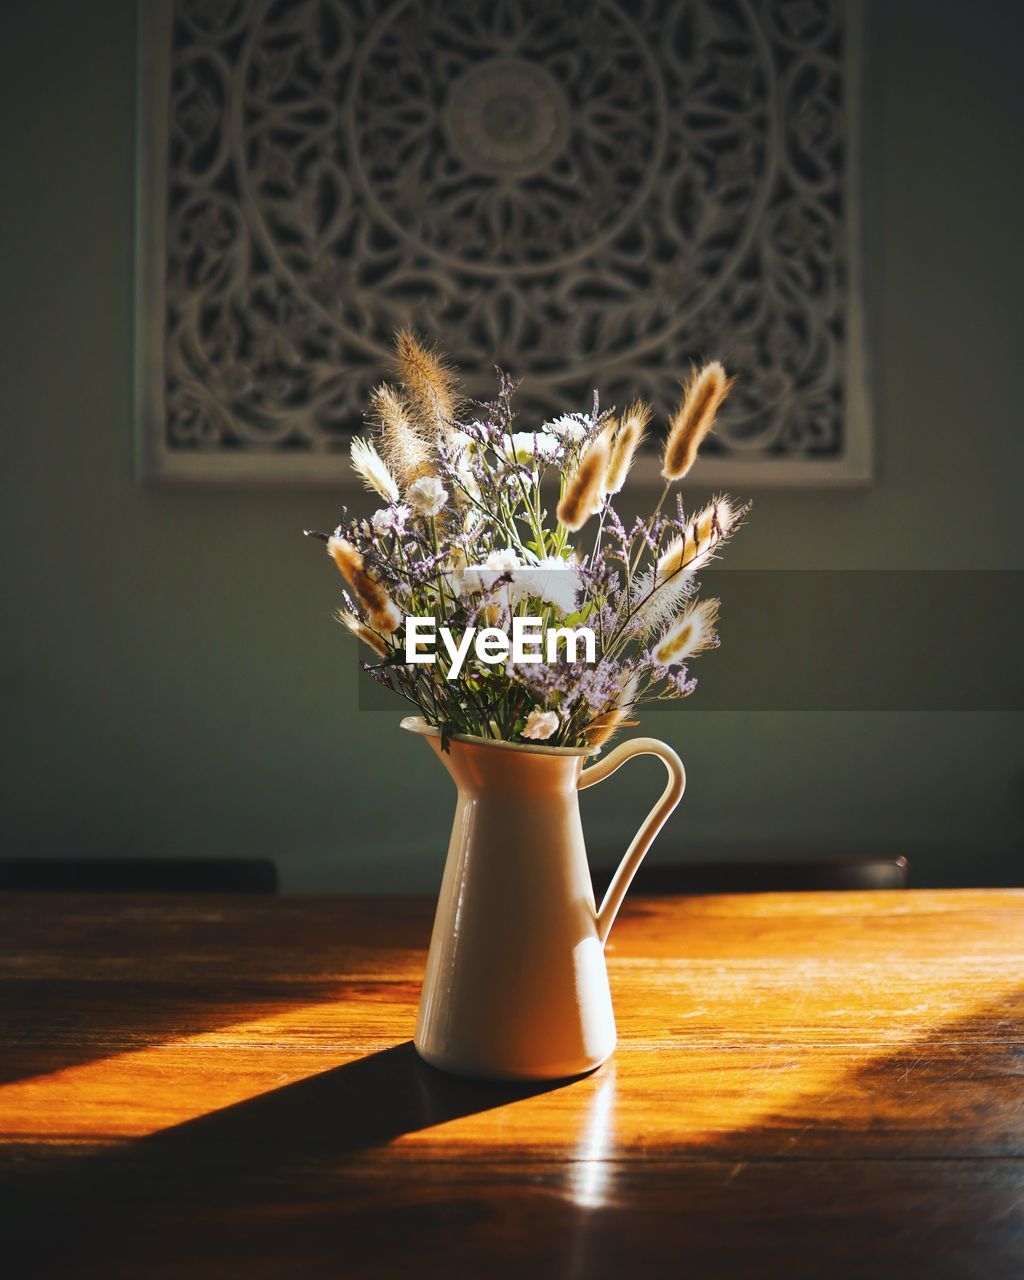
x=683, y=684
x=567, y=684
x=426, y=568
x=606, y=618
x=599, y=576
x=615, y=530
x=599, y=685
x=640, y=531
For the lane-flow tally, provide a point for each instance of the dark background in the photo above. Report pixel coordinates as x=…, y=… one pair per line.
x=173, y=684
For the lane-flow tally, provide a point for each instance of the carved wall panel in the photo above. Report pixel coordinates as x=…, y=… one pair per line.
x=590, y=193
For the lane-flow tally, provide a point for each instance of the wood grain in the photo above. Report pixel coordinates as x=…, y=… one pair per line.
x=226, y=1087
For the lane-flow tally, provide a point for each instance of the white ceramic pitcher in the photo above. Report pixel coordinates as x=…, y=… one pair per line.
x=516, y=986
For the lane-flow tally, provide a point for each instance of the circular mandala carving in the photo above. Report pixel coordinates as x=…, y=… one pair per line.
x=585, y=193
x=507, y=117
x=506, y=138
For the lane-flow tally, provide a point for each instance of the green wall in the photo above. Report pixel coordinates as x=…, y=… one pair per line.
x=172, y=682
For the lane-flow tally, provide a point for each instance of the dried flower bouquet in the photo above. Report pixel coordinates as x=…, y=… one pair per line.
x=464, y=537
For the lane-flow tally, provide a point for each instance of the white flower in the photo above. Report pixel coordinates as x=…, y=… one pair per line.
x=540, y=724
x=427, y=496
x=475, y=578
x=524, y=446
x=570, y=426
x=390, y=519
x=469, y=490
x=504, y=561
x=461, y=440
x=553, y=580
x=482, y=577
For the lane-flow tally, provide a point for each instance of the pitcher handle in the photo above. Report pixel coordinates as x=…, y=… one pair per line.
x=652, y=824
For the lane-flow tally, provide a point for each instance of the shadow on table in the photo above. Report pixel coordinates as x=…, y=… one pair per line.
x=855, y=1183
x=361, y=1104
x=253, y=1146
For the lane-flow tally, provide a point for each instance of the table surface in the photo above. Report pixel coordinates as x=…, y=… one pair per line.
x=805, y=1084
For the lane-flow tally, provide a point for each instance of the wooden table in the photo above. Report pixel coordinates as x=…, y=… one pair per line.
x=816, y=1085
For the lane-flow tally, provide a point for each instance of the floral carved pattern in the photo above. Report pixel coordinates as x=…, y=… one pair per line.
x=588, y=194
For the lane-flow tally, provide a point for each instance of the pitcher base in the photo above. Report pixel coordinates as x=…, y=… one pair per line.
x=476, y=1071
